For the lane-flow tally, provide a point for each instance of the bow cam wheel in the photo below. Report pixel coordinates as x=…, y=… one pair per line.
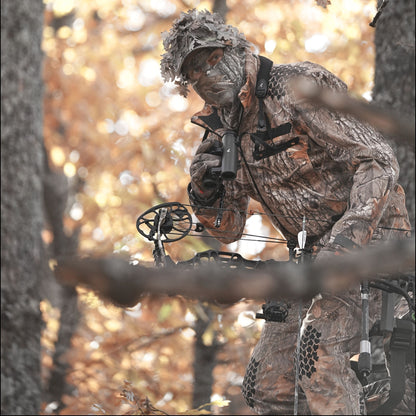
x=168, y=222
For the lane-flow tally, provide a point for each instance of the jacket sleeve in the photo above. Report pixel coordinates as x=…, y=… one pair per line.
x=231, y=205
x=372, y=161
x=233, y=210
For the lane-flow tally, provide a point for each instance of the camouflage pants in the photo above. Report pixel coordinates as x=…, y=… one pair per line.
x=330, y=336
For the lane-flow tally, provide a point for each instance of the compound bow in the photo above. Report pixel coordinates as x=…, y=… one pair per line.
x=171, y=221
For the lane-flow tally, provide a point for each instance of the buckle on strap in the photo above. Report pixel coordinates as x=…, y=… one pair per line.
x=273, y=312
x=401, y=338
x=270, y=150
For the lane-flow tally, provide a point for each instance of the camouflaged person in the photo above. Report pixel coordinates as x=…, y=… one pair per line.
x=297, y=160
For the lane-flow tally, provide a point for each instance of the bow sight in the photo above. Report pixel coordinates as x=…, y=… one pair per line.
x=164, y=223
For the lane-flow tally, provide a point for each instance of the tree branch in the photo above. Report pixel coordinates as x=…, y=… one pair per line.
x=124, y=284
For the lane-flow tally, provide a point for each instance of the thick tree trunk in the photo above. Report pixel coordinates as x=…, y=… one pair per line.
x=394, y=90
x=205, y=355
x=394, y=80
x=21, y=204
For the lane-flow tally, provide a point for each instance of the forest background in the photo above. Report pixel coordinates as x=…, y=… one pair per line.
x=117, y=142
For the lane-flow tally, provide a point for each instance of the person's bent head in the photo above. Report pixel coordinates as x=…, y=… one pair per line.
x=203, y=51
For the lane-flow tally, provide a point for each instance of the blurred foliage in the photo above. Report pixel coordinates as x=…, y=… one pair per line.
x=125, y=142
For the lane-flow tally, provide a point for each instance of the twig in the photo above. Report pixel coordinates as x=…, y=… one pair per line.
x=149, y=339
x=379, y=11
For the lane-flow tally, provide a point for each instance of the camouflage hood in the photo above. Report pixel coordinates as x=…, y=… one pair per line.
x=195, y=30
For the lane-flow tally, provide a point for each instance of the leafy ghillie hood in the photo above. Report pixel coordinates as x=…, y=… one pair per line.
x=195, y=30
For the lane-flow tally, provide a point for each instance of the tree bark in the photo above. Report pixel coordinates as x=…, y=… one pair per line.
x=56, y=191
x=394, y=80
x=22, y=258
x=205, y=360
x=205, y=355
x=220, y=7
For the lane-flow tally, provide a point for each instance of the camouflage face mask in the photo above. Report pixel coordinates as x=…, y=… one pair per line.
x=219, y=84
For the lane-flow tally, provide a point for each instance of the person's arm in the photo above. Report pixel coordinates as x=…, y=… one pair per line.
x=206, y=202
x=375, y=167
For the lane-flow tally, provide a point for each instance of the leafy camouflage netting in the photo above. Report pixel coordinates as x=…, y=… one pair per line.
x=195, y=30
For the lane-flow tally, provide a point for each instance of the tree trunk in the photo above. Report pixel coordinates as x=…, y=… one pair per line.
x=22, y=258
x=205, y=355
x=56, y=191
x=394, y=90
x=220, y=7
x=394, y=80
x=205, y=360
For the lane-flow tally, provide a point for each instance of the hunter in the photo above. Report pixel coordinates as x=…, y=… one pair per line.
x=297, y=160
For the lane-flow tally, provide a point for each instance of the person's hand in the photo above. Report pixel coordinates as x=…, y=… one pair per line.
x=329, y=252
x=207, y=158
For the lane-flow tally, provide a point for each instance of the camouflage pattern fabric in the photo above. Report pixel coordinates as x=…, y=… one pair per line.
x=331, y=333
x=194, y=30
x=269, y=382
x=407, y=405
x=330, y=336
x=341, y=175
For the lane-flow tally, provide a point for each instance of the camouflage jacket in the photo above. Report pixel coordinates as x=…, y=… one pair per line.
x=339, y=173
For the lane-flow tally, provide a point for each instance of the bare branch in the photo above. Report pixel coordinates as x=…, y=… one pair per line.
x=124, y=284
x=379, y=11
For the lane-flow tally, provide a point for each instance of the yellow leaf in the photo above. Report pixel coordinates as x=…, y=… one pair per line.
x=221, y=402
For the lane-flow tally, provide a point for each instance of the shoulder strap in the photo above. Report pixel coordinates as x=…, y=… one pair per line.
x=261, y=90
x=263, y=76
x=264, y=132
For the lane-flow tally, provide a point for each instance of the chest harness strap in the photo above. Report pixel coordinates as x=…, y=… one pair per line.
x=264, y=132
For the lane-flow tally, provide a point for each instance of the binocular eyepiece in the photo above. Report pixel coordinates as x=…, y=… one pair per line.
x=229, y=165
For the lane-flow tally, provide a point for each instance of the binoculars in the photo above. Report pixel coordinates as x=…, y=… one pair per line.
x=229, y=165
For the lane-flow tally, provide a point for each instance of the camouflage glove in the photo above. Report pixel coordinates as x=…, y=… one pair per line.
x=204, y=170
x=339, y=246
